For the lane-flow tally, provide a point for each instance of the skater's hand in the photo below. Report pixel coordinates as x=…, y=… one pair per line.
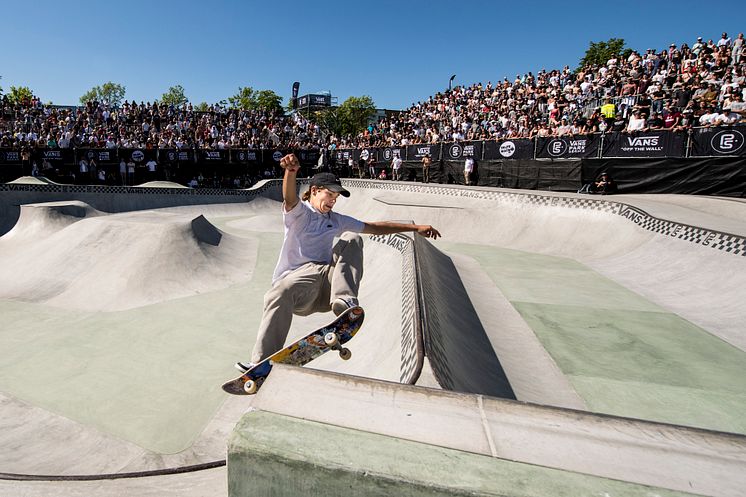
x=428, y=231
x=290, y=163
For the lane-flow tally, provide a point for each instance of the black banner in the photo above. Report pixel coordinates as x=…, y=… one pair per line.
x=343, y=155
x=138, y=155
x=568, y=147
x=367, y=155
x=272, y=157
x=719, y=142
x=100, y=155
x=652, y=144
x=214, y=156
x=8, y=156
x=387, y=154
x=244, y=156
x=518, y=149
x=417, y=152
x=176, y=155
x=457, y=151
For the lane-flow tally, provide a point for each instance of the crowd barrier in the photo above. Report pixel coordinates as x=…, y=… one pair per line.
x=697, y=142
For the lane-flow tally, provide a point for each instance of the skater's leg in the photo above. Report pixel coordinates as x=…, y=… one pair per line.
x=347, y=268
x=295, y=293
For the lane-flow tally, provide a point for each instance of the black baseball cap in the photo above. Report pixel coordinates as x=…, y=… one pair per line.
x=330, y=182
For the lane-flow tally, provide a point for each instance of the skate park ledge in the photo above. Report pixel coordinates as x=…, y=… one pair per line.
x=311, y=432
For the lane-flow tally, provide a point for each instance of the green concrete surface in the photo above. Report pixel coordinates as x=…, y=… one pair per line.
x=623, y=354
x=273, y=455
x=149, y=375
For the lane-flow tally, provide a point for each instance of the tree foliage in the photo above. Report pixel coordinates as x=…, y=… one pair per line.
x=350, y=118
x=249, y=99
x=599, y=53
x=19, y=94
x=174, y=96
x=109, y=93
x=268, y=100
x=244, y=99
x=354, y=114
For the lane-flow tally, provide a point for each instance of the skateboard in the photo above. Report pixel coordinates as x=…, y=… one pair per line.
x=331, y=337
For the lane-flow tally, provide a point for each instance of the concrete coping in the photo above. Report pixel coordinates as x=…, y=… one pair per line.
x=655, y=454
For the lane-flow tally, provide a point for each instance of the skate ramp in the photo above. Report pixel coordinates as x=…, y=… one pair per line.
x=142, y=314
x=69, y=255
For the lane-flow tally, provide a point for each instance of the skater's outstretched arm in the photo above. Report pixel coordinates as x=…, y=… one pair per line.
x=289, y=184
x=389, y=227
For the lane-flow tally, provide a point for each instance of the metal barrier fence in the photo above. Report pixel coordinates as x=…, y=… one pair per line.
x=727, y=141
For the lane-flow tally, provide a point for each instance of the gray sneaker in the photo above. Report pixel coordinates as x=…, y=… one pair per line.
x=343, y=303
x=244, y=366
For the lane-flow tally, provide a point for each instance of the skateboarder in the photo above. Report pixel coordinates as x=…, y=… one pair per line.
x=313, y=274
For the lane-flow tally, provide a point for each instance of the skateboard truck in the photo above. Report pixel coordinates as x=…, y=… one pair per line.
x=332, y=340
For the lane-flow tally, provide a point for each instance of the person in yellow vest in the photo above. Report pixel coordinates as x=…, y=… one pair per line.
x=608, y=110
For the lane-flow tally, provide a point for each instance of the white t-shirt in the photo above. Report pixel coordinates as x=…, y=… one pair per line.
x=469, y=165
x=309, y=237
x=396, y=163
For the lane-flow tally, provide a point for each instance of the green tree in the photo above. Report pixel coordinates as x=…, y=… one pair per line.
x=244, y=99
x=354, y=113
x=109, y=93
x=174, y=96
x=599, y=53
x=329, y=120
x=249, y=99
x=268, y=100
x=202, y=107
x=18, y=94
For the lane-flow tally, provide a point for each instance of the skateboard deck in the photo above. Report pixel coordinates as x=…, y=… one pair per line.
x=299, y=353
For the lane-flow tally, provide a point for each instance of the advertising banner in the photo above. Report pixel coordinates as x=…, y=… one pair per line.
x=244, y=156
x=417, y=152
x=175, y=155
x=644, y=144
x=387, y=154
x=568, y=147
x=461, y=150
x=100, y=155
x=719, y=142
x=517, y=149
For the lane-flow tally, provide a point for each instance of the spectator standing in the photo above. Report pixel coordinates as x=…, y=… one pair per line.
x=426, y=163
x=468, y=170
x=724, y=41
x=122, y=171
x=737, y=49
x=151, y=165
x=395, y=168
x=131, y=172
x=83, y=169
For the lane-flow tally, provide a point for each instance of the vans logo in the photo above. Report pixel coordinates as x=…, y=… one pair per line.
x=643, y=141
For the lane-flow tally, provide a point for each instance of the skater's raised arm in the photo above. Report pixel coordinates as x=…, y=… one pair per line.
x=289, y=185
x=389, y=227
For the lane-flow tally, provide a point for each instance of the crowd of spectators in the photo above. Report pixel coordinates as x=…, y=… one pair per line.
x=674, y=88
x=149, y=125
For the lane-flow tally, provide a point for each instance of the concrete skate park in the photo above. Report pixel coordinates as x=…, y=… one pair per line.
x=547, y=344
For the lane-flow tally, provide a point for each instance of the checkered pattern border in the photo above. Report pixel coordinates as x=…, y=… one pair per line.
x=411, y=355
x=250, y=193
x=725, y=242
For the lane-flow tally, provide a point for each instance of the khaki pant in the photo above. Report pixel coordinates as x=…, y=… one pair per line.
x=309, y=289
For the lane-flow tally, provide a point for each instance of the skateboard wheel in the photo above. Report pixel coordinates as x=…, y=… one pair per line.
x=250, y=387
x=331, y=339
x=345, y=354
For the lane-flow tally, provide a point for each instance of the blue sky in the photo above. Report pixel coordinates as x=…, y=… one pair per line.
x=398, y=52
